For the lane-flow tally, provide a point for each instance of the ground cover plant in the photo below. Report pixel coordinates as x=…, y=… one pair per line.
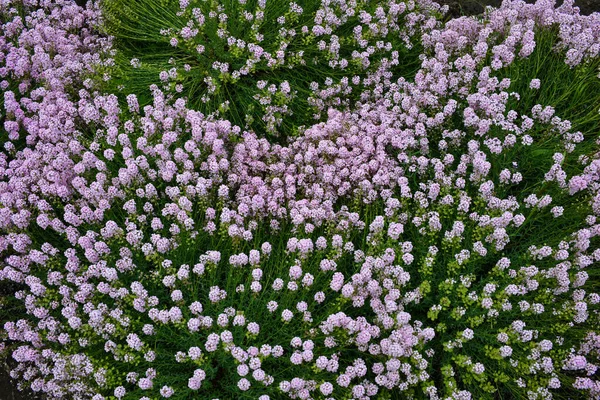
x=425, y=227
x=271, y=66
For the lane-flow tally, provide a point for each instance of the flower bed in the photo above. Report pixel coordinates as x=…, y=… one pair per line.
x=327, y=200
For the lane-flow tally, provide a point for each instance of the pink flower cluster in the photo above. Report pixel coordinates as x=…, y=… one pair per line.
x=401, y=233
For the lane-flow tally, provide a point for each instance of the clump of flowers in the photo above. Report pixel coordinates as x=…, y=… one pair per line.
x=46, y=51
x=272, y=66
x=437, y=239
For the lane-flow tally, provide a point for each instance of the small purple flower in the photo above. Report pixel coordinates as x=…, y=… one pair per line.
x=534, y=84
x=243, y=384
x=166, y=392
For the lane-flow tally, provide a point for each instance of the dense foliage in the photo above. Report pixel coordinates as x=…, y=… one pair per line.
x=208, y=200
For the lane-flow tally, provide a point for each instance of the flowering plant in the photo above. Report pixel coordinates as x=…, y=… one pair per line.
x=271, y=66
x=435, y=237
